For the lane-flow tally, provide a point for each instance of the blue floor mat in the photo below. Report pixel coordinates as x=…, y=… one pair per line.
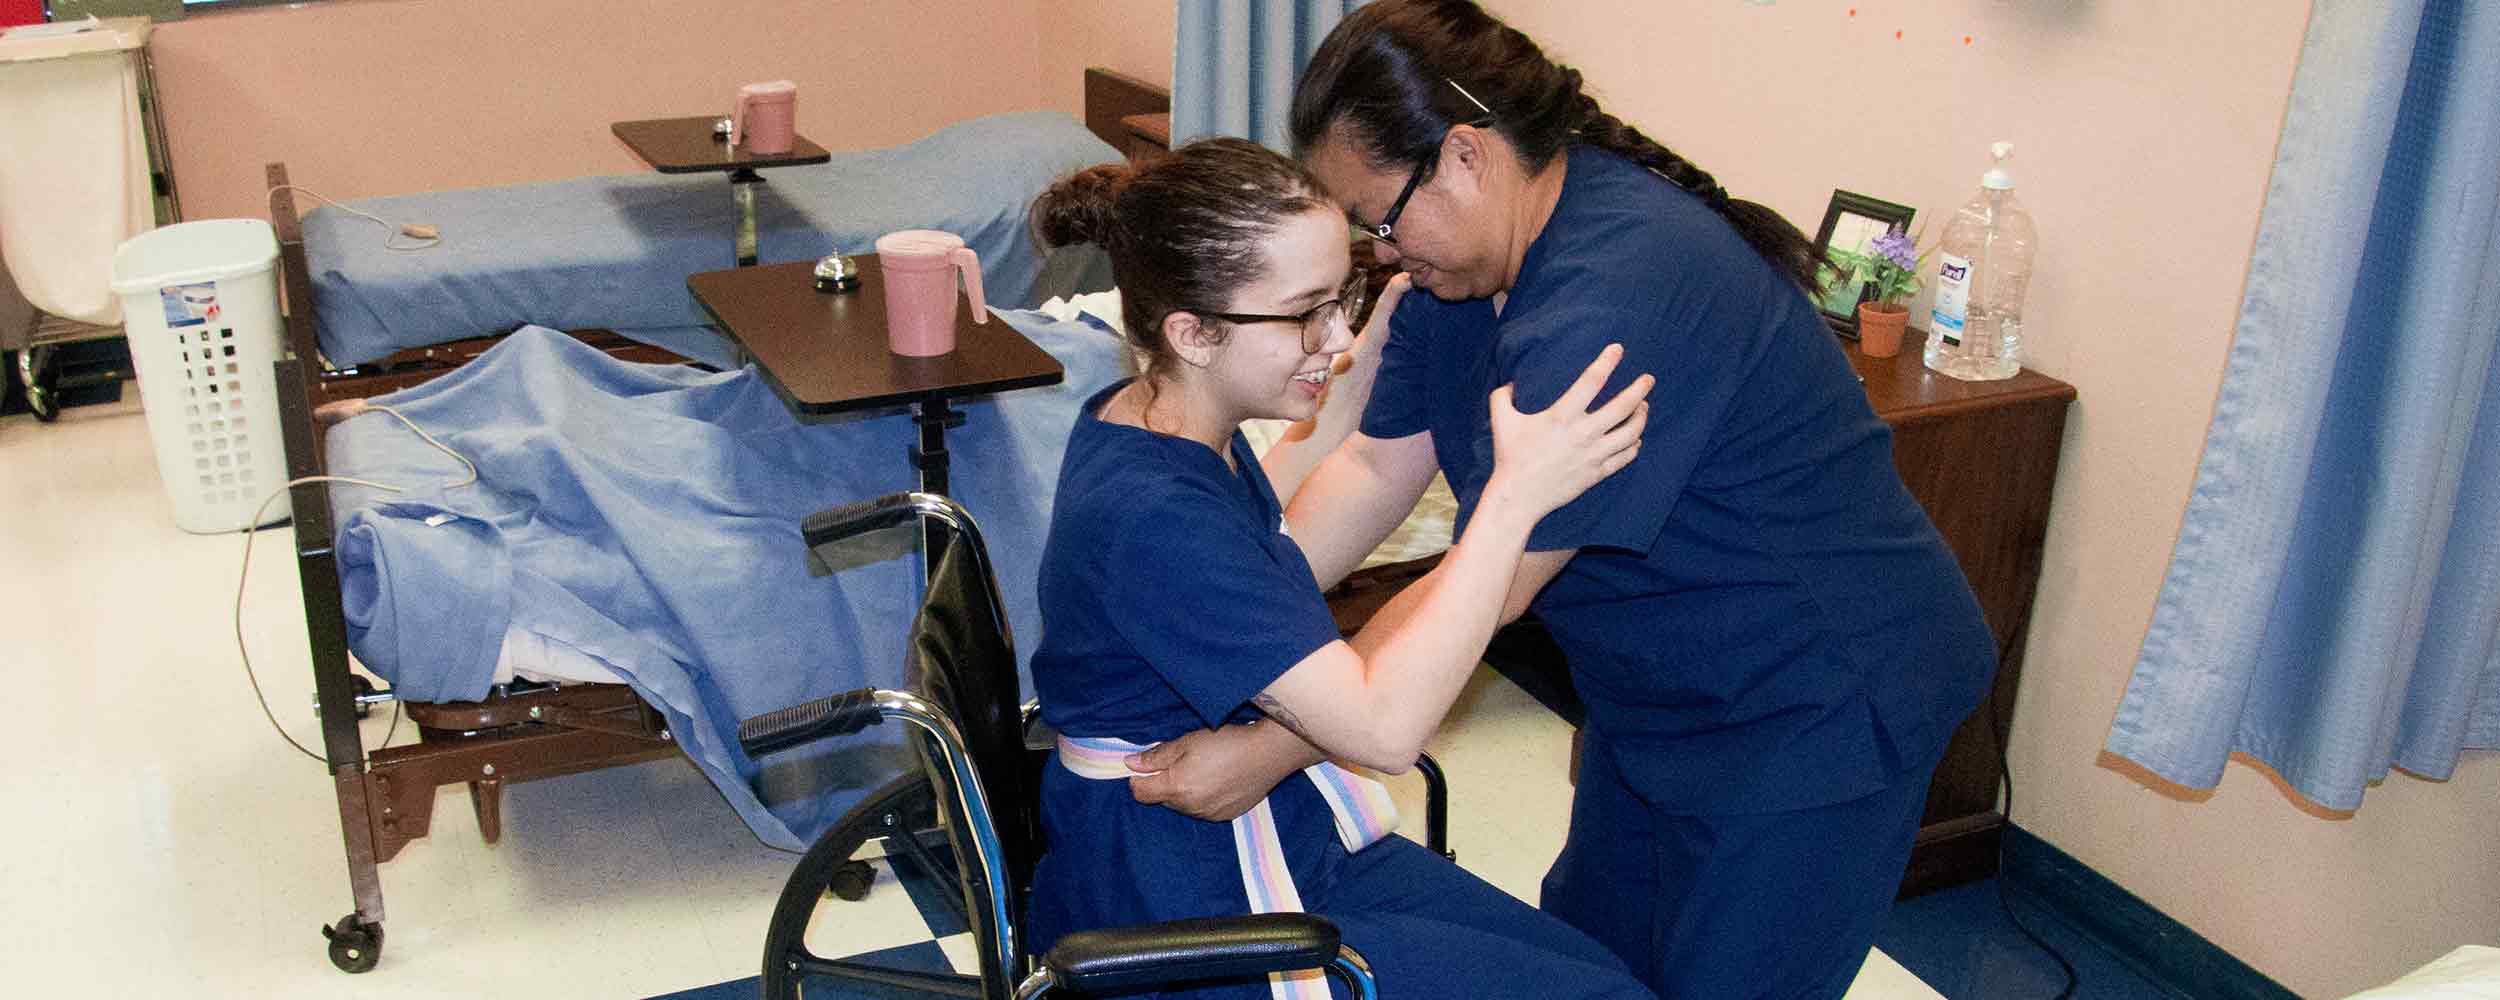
x=1960, y=941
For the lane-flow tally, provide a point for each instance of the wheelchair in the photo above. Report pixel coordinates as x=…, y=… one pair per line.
x=972, y=816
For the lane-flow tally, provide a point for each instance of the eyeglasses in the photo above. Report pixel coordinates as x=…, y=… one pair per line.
x=1315, y=320
x=1386, y=231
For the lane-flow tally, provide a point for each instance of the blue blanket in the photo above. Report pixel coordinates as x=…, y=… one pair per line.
x=648, y=516
x=614, y=252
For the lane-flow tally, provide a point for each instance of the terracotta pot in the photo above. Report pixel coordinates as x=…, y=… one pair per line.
x=1880, y=325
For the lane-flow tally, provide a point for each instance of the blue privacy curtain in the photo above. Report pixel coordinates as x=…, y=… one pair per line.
x=2332, y=605
x=1235, y=62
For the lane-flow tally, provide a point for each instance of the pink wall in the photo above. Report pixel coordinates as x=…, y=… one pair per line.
x=1131, y=36
x=2145, y=136
x=390, y=96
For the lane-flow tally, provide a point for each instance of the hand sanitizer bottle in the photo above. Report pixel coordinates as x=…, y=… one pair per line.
x=1983, y=266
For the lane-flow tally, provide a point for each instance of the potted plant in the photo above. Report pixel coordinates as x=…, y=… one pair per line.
x=1889, y=271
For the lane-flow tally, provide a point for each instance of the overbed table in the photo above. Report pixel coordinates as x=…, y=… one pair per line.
x=688, y=146
x=826, y=354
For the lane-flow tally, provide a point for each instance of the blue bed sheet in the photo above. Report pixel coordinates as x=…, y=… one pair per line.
x=614, y=252
x=648, y=516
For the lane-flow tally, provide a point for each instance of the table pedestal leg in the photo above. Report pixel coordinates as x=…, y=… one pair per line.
x=934, y=417
x=742, y=184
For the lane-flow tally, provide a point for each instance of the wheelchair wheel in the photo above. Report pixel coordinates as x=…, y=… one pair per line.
x=355, y=946
x=828, y=869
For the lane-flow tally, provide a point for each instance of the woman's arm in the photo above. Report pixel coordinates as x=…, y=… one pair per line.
x=1377, y=700
x=1355, y=498
x=1218, y=774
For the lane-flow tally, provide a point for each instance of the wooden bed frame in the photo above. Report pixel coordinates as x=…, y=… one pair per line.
x=522, y=732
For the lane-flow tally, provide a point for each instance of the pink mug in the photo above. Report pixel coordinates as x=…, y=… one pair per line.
x=766, y=119
x=919, y=267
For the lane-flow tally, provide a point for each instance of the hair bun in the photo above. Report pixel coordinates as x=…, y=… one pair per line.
x=1082, y=207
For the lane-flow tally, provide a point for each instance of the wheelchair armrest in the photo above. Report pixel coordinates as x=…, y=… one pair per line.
x=1121, y=959
x=836, y=524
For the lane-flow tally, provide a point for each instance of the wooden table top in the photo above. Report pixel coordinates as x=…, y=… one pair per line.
x=1902, y=388
x=826, y=352
x=686, y=146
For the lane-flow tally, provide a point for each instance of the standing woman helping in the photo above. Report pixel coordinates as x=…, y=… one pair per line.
x=1773, y=642
x=1175, y=598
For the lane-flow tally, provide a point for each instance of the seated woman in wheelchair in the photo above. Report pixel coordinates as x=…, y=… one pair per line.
x=1175, y=600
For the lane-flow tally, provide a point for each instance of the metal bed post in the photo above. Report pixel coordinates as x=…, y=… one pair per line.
x=356, y=940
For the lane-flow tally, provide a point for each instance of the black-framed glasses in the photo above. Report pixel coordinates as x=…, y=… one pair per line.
x=1315, y=320
x=1386, y=231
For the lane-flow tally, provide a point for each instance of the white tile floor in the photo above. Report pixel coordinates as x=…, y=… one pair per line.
x=169, y=844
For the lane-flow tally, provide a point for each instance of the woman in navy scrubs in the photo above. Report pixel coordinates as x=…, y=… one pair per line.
x=1773, y=642
x=1175, y=598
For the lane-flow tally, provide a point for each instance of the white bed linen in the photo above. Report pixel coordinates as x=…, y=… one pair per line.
x=529, y=656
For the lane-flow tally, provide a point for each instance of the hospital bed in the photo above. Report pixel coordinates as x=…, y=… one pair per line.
x=599, y=255
x=608, y=256
x=514, y=728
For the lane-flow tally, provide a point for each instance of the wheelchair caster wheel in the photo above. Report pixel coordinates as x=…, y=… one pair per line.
x=355, y=946
x=851, y=881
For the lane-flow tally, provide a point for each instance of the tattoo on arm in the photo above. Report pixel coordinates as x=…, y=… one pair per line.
x=1276, y=710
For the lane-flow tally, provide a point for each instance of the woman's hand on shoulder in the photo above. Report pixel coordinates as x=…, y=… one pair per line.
x=1546, y=459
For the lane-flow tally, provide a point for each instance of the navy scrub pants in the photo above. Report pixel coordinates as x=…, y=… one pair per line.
x=1772, y=905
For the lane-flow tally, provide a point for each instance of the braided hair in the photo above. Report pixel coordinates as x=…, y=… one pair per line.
x=1396, y=75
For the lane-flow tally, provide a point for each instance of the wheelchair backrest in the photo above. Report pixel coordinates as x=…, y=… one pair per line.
x=960, y=661
x=962, y=658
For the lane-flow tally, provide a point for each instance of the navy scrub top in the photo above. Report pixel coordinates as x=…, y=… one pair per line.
x=1761, y=617
x=1170, y=596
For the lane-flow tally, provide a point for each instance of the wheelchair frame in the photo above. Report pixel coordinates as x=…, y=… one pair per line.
x=959, y=650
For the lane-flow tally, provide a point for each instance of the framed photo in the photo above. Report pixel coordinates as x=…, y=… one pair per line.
x=1849, y=225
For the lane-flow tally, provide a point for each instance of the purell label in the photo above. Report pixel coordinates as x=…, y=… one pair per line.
x=1952, y=298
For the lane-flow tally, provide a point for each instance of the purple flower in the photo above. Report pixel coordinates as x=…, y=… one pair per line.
x=1897, y=248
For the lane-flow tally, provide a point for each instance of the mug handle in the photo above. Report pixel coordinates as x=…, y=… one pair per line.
x=738, y=118
x=969, y=263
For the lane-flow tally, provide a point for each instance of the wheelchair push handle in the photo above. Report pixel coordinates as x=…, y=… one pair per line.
x=833, y=715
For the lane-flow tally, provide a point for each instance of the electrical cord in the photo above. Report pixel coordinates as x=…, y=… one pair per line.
x=2005, y=772
x=251, y=529
x=431, y=236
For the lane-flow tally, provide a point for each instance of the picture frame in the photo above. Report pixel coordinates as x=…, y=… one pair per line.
x=1851, y=222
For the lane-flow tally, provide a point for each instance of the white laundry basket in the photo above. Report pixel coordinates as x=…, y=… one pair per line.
x=200, y=306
